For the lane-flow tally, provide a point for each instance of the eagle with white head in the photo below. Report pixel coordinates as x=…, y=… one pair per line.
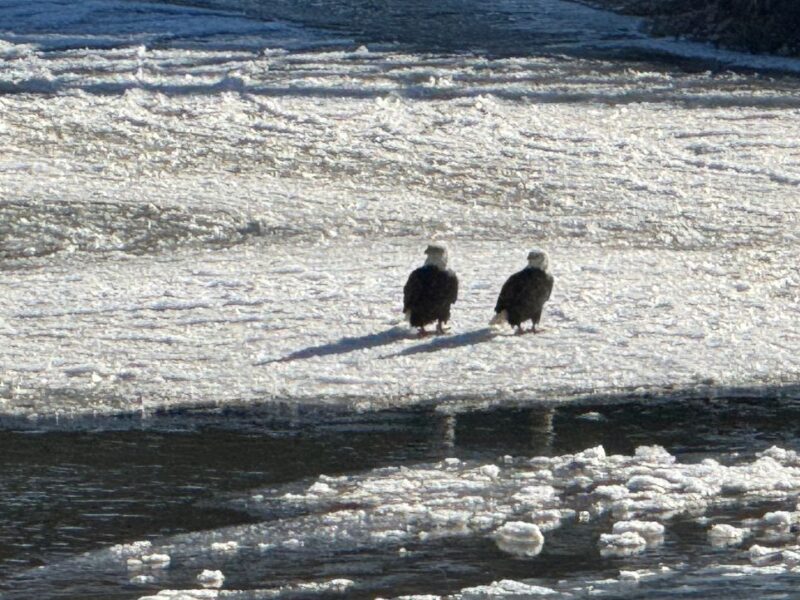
x=523, y=295
x=430, y=291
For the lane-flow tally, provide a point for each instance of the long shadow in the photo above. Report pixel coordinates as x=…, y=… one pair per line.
x=445, y=343
x=345, y=345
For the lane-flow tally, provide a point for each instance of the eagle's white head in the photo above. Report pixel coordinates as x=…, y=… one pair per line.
x=436, y=255
x=538, y=259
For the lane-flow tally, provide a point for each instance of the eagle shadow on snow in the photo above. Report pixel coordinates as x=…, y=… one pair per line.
x=346, y=345
x=469, y=338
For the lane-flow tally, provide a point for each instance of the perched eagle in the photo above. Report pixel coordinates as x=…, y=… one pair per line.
x=524, y=293
x=430, y=290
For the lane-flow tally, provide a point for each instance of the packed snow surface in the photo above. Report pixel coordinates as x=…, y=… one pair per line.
x=198, y=207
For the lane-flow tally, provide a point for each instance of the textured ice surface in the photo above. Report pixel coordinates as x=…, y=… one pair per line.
x=228, y=216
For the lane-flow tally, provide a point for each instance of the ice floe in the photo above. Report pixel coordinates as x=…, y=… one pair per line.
x=211, y=579
x=622, y=544
x=517, y=537
x=229, y=547
x=505, y=589
x=722, y=535
x=189, y=189
x=631, y=537
x=156, y=561
x=328, y=588
x=522, y=505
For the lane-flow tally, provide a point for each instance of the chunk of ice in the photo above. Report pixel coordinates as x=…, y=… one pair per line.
x=229, y=547
x=722, y=535
x=156, y=561
x=211, y=579
x=519, y=538
x=651, y=531
x=622, y=544
x=505, y=588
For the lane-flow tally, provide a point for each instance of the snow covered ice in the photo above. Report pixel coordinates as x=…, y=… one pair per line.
x=202, y=208
x=517, y=537
x=231, y=221
x=722, y=534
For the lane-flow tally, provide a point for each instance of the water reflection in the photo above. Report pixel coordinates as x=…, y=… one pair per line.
x=64, y=492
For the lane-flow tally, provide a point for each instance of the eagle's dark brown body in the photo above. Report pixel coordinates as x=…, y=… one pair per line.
x=428, y=294
x=523, y=296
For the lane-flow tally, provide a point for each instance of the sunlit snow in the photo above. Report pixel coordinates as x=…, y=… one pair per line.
x=666, y=201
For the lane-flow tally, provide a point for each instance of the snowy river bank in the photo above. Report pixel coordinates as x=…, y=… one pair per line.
x=206, y=220
x=223, y=212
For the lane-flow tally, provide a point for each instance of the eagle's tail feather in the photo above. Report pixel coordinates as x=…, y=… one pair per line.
x=500, y=318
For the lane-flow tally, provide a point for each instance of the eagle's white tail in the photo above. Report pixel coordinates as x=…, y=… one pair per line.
x=500, y=318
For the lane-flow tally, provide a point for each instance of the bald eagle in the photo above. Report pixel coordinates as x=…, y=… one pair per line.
x=524, y=293
x=430, y=290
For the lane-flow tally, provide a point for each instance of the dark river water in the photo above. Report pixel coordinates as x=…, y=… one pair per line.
x=494, y=29
x=105, y=482
x=497, y=28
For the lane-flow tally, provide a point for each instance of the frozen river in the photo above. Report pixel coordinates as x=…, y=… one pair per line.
x=217, y=206
x=203, y=208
